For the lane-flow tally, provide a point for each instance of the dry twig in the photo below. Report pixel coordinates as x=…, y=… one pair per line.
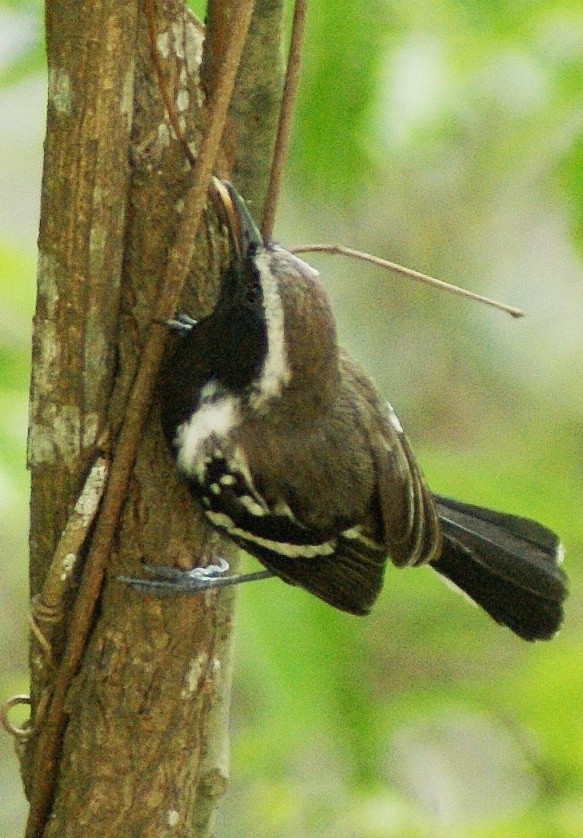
x=285, y=117
x=337, y=249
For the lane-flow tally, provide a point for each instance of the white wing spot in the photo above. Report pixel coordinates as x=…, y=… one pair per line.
x=219, y=519
x=251, y=505
x=282, y=508
x=394, y=419
x=355, y=534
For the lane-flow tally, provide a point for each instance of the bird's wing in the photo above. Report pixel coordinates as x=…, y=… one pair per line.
x=407, y=510
x=344, y=569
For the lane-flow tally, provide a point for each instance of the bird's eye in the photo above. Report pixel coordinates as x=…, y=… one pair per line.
x=252, y=293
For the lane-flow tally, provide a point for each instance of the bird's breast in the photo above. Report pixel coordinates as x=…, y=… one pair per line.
x=216, y=417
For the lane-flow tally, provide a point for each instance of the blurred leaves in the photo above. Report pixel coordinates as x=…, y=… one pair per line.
x=16, y=275
x=21, y=46
x=570, y=172
x=343, y=54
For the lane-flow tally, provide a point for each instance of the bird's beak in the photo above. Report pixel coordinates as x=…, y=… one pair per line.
x=241, y=224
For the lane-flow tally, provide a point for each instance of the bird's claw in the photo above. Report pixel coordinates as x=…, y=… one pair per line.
x=181, y=323
x=165, y=579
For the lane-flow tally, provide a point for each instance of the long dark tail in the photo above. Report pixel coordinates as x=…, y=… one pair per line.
x=507, y=565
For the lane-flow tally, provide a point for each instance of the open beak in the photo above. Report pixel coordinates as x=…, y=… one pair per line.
x=243, y=229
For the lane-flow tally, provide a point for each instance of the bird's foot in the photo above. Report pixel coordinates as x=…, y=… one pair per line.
x=170, y=580
x=181, y=323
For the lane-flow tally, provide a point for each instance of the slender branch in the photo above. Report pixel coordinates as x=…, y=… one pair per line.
x=292, y=74
x=137, y=409
x=337, y=249
x=48, y=605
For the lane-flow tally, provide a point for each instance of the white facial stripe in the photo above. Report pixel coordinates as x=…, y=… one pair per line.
x=276, y=372
x=292, y=551
x=213, y=418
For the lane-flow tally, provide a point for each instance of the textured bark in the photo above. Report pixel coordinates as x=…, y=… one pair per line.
x=145, y=750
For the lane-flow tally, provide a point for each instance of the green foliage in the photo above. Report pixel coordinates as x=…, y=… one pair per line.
x=571, y=178
x=24, y=50
x=198, y=7
x=352, y=689
x=341, y=64
x=16, y=284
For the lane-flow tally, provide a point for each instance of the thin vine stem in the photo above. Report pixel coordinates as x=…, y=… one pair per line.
x=290, y=87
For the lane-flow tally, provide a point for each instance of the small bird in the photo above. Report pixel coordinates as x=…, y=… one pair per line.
x=292, y=453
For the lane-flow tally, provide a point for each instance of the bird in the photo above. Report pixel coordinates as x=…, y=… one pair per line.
x=290, y=450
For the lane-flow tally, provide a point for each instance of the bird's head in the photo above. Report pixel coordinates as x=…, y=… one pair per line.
x=281, y=313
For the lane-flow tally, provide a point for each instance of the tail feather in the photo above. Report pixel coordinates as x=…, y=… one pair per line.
x=507, y=565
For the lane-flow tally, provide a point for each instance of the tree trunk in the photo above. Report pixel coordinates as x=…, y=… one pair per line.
x=145, y=749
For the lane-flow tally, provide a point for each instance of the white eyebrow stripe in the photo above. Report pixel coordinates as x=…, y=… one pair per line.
x=276, y=371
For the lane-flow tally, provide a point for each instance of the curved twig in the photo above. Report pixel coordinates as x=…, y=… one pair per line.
x=338, y=249
x=285, y=117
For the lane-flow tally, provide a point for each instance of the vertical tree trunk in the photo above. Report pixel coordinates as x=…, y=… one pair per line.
x=145, y=749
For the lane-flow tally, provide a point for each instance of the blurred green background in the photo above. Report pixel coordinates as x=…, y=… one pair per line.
x=447, y=136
